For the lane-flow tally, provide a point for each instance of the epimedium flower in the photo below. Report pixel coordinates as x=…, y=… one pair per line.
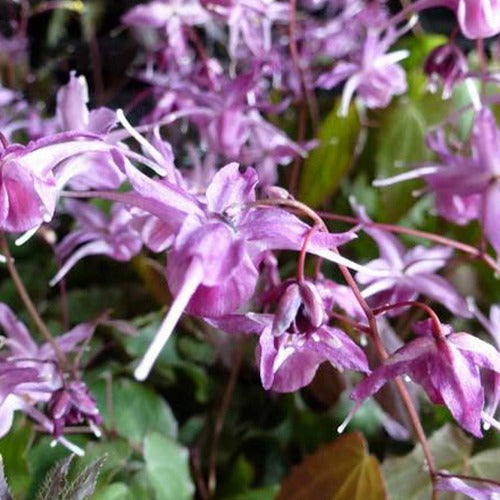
x=219, y=241
x=477, y=18
x=73, y=404
x=28, y=186
x=408, y=273
x=95, y=170
x=447, y=365
x=296, y=339
x=97, y=233
x=41, y=379
x=446, y=63
x=372, y=73
x=466, y=186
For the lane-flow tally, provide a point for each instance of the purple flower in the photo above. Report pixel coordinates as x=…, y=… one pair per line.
x=475, y=488
x=94, y=170
x=212, y=267
x=477, y=18
x=28, y=188
x=447, y=365
x=35, y=367
x=173, y=16
x=408, y=273
x=448, y=64
x=97, y=234
x=373, y=74
x=72, y=405
x=466, y=187
x=295, y=340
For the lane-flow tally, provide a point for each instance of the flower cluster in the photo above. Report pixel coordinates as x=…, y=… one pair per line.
x=195, y=182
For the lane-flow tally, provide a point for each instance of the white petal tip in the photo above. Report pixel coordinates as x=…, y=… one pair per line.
x=141, y=372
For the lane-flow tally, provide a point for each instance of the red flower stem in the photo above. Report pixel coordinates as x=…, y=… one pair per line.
x=372, y=331
x=350, y=322
x=28, y=303
x=302, y=254
x=436, y=324
x=463, y=247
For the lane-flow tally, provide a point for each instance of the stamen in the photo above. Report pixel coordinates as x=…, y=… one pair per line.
x=153, y=152
x=69, y=445
x=194, y=276
x=412, y=174
x=489, y=421
x=341, y=428
x=26, y=236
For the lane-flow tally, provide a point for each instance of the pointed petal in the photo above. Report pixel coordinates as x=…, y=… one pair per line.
x=440, y=290
x=231, y=186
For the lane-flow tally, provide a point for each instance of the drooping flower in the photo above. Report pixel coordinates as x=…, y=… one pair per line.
x=93, y=170
x=408, y=273
x=219, y=243
x=295, y=340
x=97, y=234
x=477, y=18
x=447, y=365
x=373, y=74
x=28, y=188
x=37, y=367
x=466, y=186
x=73, y=404
x=446, y=64
x=476, y=488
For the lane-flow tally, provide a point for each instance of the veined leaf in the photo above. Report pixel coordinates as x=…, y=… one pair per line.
x=342, y=470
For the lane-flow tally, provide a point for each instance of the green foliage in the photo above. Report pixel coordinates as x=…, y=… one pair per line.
x=327, y=164
x=167, y=468
x=452, y=450
x=135, y=410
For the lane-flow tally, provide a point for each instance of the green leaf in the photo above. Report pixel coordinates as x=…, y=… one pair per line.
x=115, y=491
x=406, y=476
x=485, y=465
x=326, y=165
x=167, y=466
x=136, y=410
x=401, y=143
x=117, y=453
x=13, y=449
x=342, y=470
x=5, y=493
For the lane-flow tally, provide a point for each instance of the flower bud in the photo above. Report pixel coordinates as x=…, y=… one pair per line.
x=448, y=64
x=288, y=307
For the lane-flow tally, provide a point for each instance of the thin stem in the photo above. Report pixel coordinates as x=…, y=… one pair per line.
x=354, y=324
x=302, y=255
x=403, y=391
x=28, y=303
x=436, y=324
x=297, y=162
x=463, y=247
x=221, y=415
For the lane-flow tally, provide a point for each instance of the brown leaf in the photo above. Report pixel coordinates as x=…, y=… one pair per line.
x=342, y=470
